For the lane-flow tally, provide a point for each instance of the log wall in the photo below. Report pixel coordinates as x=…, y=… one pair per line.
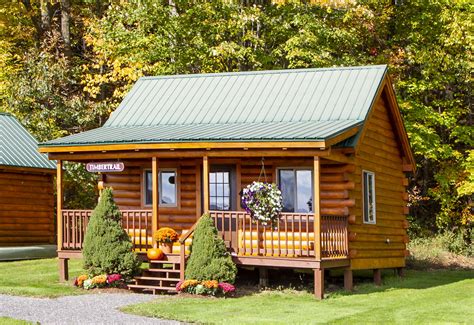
x=26, y=208
x=382, y=245
x=128, y=187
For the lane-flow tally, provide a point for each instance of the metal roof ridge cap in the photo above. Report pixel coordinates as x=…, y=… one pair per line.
x=278, y=71
x=213, y=124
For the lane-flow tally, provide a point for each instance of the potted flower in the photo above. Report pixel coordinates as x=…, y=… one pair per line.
x=165, y=237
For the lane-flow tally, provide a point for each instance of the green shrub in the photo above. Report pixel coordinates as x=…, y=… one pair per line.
x=209, y=258
x=107, y=247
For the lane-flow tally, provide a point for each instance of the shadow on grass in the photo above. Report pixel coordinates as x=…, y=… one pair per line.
x=281, y=280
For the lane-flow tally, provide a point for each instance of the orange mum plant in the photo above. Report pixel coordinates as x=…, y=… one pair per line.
x=166, y=235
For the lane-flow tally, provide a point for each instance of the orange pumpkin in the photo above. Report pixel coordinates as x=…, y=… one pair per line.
x=154, y=254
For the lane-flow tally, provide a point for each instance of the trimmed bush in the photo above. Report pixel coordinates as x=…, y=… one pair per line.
x=107, y=247
x=209, y=258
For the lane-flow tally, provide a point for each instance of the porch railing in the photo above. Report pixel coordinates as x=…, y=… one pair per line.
x=292, y=236
x=137, y=224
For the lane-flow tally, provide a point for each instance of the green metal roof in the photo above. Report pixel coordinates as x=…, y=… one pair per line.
x=281, y=105
x=17, y=147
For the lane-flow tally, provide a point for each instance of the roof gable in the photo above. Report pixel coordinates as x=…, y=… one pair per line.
x=18, y=148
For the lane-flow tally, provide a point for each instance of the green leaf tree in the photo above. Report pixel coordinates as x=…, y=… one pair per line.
x=209, y=258
x=107, y=247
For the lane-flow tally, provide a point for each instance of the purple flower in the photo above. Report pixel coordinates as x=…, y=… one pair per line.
x=226, y=287
x=111, y=278
x=178, y=286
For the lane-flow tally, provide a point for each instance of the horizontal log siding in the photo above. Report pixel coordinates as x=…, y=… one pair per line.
x=379, y=152
x=129, y=191
x=26, y=209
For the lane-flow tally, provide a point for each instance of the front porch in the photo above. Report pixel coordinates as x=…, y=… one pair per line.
x=316, y=239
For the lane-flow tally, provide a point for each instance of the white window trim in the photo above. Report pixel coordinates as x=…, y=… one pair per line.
x=364, y=172
x=296, y=192
x=160, y=170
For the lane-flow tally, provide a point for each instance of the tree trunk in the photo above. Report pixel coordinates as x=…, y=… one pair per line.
x=65, y=25
x=45, y=15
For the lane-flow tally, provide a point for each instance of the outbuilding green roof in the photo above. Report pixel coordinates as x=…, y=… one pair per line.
x=281, y=105
x=18, y=148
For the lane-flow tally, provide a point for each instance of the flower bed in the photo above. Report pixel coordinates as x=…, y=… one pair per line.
x=206, y=288
x=263, y=202
x=99, y=281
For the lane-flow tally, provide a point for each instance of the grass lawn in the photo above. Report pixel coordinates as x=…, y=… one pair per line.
x=421, y=297
x=37, y=278
x=12, y=321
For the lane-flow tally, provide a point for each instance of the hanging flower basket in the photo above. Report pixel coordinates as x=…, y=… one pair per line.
x=263, y=202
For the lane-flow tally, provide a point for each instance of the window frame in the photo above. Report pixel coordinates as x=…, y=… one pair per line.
x=144, y=187
x=233, y=205
x=307, y=168
x=364, y=194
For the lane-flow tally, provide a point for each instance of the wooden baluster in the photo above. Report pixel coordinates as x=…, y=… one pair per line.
x=307, y=235
x=66, y=231
x=293, y=234
x=347, y=237
x=140, y=244
x=301, y=235
x=74, y=230
x=279, y=238
x=145, y=215
x=258, y=238
x=264, y=240
x=286, y=234
x=133, y=232
x=272, y=252
x=242, y=242
x=251, y=235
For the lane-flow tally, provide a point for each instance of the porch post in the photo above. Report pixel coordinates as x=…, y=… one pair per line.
x=59, y=203
x=62, y=262
x=317, y=208
x=205, y=176
x=155, y=196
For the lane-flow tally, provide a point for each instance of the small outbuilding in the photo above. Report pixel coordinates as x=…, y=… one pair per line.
x=26, y=190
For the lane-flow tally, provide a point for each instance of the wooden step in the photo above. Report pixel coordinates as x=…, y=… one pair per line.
x=163, y=270
x=150, y=287
x=152, y=278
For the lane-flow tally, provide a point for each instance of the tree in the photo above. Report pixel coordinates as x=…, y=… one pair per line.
x=107, y=247
x=209, y=258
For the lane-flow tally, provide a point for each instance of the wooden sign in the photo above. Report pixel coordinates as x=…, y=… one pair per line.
x=105, y=167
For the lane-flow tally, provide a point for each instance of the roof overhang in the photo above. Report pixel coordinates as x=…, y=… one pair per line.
x=206, y=145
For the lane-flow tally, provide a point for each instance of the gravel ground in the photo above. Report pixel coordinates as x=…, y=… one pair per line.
x=99, y=308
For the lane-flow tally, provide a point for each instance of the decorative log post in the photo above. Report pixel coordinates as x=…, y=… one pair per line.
x=317, y=207
x=319, y=283
x=62, y=262
x=205, y=176
x=59, y=202
x=155, y=197
x=318, y=273
x=348, y=280
x=378, y=277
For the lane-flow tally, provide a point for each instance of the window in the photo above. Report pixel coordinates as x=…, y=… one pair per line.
x=296, y=187
x=167, y=190
x=220, y=197
x=368, y=179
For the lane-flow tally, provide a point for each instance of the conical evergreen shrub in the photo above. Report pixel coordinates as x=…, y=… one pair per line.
x=209, y=259
x=107, y=247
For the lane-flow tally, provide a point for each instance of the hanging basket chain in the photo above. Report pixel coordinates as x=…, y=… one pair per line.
x=262, y=171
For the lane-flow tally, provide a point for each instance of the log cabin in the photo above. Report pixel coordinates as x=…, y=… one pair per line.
x=332, y=139
x=26, y=188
